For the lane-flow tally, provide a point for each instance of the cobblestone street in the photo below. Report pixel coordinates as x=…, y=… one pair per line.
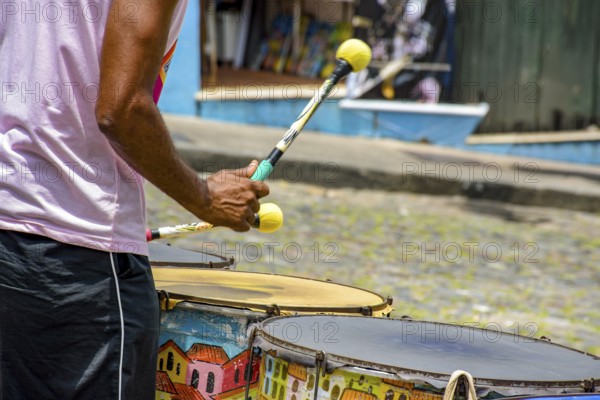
x=535, y=271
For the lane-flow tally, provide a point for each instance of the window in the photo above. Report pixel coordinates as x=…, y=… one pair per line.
x=325, y=385
x=311, y=382
x=389, y=395
x=281, y=392
x=170, y=361
x=274, y=391
x=210, y=383
x=335, y=393
x=270, y=365
x=160, y=364
x=295, y=385
x=277, y=370
x=178, y=369
x=195, y=379
x=236, y=376
x=266, y=388
x=284, y=370
x=402, y=396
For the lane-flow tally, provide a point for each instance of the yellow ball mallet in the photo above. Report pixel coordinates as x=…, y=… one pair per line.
x=352, y=55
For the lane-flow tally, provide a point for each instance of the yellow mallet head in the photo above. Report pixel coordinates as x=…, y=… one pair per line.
x=356, y=53
x=270, y=218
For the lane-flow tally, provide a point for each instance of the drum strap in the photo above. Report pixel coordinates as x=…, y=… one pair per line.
x=453, y=384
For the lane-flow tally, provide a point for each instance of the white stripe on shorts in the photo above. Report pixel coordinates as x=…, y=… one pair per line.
x=112, y=263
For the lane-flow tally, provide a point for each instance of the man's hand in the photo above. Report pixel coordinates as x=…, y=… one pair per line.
x=234, y=198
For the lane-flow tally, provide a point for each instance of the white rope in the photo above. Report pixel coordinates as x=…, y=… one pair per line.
x=453, y=382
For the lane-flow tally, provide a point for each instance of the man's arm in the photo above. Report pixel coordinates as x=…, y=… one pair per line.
x=126, y=113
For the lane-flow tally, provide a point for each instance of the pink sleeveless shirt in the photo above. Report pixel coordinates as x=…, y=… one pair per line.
x=59, y=177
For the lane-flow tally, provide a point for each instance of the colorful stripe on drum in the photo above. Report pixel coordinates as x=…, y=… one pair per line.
x=162, y=75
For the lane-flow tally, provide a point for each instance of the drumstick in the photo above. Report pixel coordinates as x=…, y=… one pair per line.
x=352, y=56
x=268, y=219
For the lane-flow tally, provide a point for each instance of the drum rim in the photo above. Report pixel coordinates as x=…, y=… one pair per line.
x=491, y=383
x=226, y=262
x=382, y=308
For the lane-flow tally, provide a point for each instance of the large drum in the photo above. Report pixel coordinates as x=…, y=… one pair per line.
x=166, y=255
x=330, y=357
x=206, y=314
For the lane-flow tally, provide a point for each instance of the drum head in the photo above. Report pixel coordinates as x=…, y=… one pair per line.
x=267, y=292
x=425, y=350
x=165, y=255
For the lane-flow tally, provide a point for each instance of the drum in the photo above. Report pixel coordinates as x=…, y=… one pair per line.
x=206, y=314
x=166, y=255
x=357, y=358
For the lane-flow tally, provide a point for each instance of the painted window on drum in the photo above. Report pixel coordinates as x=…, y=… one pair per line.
x=236, y=376
x=274, y=391
x=170, y=361
x=281, y=393
x=270, y=365
x=266, y=388
x=277, y=370
x=325, y=385
x=335, y=393
x=389, y=395
x=210, y=383
x=161, y=364
x=293, y=397
x=311, y=382
x=295, y=385
x=195, y=379
x=402, y=397
x=178, y=369
x=284, y=371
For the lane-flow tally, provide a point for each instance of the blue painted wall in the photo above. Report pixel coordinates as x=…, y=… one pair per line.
x=183, y=79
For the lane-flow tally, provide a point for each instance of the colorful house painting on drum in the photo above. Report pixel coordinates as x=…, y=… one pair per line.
x=297, y=376
x=283, y=380
x=205, y=368
x=173, y=361
x=237, y=393
x=165, y=389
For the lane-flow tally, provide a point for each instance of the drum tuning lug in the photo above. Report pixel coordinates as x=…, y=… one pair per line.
x=546, y=339
x=321, y=363
x=163, y=297
x=589, y=385
x=366, y=311
x=273, y=310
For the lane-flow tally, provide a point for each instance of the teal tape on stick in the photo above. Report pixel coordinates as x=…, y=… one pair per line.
x=263, y=171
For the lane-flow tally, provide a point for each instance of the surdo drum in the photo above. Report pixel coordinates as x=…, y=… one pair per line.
x=205, y=351
x=329, y=357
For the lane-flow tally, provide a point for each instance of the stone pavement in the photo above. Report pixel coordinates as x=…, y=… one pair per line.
x=386, y=164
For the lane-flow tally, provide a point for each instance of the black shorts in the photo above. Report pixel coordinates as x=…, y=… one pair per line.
x=75, y=323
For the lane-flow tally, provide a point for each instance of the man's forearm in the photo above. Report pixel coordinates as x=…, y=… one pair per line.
x=138, y=134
